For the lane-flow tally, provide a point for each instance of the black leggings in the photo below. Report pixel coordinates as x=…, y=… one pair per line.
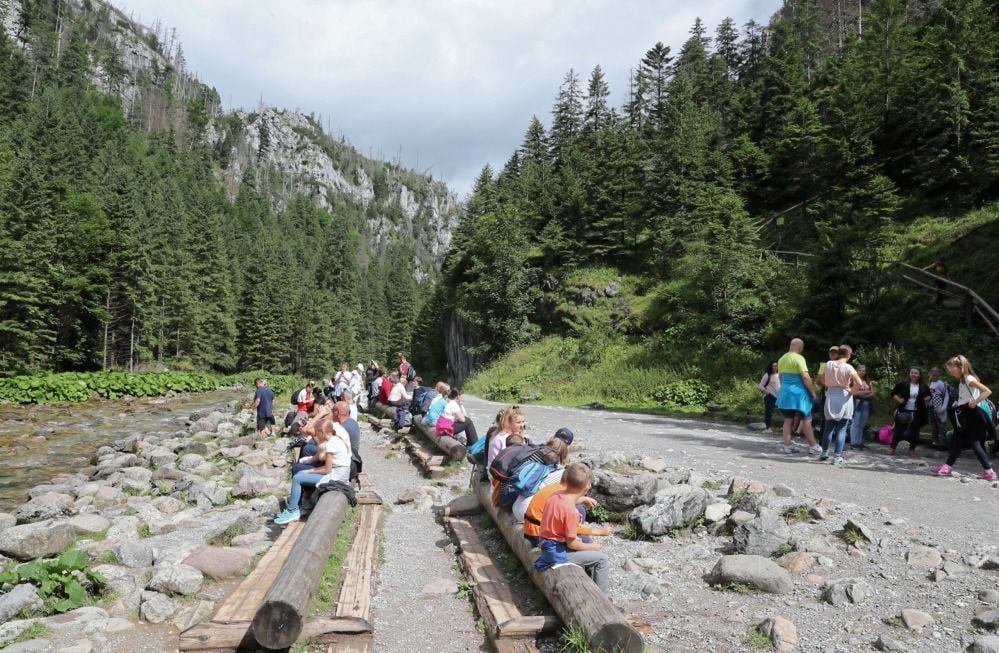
x=972, y=426
x=468, y=428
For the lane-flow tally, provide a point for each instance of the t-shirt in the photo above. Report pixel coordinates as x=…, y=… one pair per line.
x=965, y=393
x=521, y=505
x=451, y=410
x=560, y=519
x=353, y=430
x=305, y=401
x=910, y=403
x=398, y=393
x=435, y=411
x=353, y=411
x=496, y=445
x=838, y=374
x=266, y=406
x=338, y=446
x=770, y=386
x=792, y=363
x=383, y=391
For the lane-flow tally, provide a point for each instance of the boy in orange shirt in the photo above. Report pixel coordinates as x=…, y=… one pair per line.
x=559, y=539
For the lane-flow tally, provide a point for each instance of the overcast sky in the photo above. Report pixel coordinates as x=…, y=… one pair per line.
x=447, y=84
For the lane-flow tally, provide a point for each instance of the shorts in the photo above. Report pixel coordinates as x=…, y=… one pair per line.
x=262, y=422
x=790, y=413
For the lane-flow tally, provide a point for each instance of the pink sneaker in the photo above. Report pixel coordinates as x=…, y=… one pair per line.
x=942, y=470
x=989, y=475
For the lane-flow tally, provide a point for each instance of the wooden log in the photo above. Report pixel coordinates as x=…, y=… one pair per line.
x=463, y=506
x=572, y=594
x=379, y=409
x=455, y=450
x=281, y=617
x=214, y=635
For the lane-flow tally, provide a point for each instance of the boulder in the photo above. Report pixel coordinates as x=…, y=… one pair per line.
x=782, y=490
x=179, y=580
x=654, y=465
x=208, y=494
x=647, y=585
x=254, y=484
x=109, y=626
x=678, y=506
x=741, y=485
x=43, y=507
x=168, y=505
x=986, y=644
x=738, y=517
x=157, y=608
x=763, y=535
x=884, y=643
x=138, y=473
x=916, y=619
x=781, y=633
x=717, y=512
x=193, y=615
x=220, y=562
x=623, y=491
x=89, y=523
x=846, y=590
x=30, y=646
x=134, y=553
x=761, y=573
x=189, y=461
x=107, y=496
x=797, y=562
x=7, y=520
x=988, y=619
x=815, y=545
x=924, y=557
x=861, y=529
x=36, y=540
x=22, y=599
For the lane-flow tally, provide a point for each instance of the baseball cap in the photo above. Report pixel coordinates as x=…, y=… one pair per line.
x=564, y=434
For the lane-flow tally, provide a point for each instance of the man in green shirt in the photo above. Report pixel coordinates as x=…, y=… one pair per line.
x=797, y=393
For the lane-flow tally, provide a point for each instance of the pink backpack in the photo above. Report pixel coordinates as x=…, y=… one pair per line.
x=885, y=434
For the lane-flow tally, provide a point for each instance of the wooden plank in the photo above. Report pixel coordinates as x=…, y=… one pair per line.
x=359, y=566
x=367, y=497
x=364, y=481
x=352, y=644
x=429, y=464
x=242, y=604
x=212, y=635
x=576, y=599
x=530, y=626
x=281, y=618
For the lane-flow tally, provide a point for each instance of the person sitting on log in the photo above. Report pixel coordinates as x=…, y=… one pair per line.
x=398, y=396
x=348, y=396
x=331, y=462
x=455, y=421
x=436, y=408
x=559, y=537
x=385, y=388
x=557, y=453
x=511, y=422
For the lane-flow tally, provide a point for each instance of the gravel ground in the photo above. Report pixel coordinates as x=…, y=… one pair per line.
x=895, y=497
x=417, y=552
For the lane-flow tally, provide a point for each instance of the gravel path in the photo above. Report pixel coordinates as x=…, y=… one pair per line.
x=896, y=497
x=417, y=553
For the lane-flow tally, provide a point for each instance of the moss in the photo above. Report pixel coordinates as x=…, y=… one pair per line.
x=755, y=639
x=712, y=485
x=34, y=631
x=144, y=530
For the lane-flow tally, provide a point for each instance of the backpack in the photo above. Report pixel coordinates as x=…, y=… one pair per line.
x=416, y=403
x=530, y=476
x=504, y=466
x=402, y=417
x=410, y=373
x=294, y=396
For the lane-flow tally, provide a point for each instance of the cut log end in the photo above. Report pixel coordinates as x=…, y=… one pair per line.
x=617, y=637
x=277, y=625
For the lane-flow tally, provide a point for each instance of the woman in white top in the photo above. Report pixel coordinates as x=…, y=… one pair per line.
x=769, y=386
x=970, y=415
x=321, y=464
x=454, y=410
x=512, y=421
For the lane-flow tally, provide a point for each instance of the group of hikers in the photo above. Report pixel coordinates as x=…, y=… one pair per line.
x=531, y=480
x=839, y=401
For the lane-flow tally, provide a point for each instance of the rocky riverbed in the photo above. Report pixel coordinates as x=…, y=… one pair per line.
x=171, y=519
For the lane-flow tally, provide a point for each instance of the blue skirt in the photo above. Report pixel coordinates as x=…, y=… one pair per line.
x=794, y=395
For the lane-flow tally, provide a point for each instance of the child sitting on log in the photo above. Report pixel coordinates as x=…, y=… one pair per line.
x=560, y=538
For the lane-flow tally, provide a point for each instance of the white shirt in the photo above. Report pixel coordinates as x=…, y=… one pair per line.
x=399, y=393
x=965, y=393
x=339, y=446
x=451, y=410
x=496, y=445
x=353, y=411
x=910, y=403
x=521, y=505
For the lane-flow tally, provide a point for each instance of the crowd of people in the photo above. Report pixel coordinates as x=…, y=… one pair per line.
x=838, y=403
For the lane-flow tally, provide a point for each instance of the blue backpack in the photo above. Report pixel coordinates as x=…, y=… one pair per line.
x=529, y=477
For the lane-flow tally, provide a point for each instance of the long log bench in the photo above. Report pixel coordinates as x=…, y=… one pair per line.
x=576, y=599
x=454, y=450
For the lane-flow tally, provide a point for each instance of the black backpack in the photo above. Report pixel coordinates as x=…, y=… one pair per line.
x=294, y=396
x=504, y=466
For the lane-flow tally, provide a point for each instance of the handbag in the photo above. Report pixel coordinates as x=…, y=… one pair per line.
x=904, y=417
x=445, y=426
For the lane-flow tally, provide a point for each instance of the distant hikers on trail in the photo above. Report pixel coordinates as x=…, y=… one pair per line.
x=842, y=399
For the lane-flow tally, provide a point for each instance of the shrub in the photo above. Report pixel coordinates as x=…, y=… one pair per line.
x=59, y=581
x=686, y=392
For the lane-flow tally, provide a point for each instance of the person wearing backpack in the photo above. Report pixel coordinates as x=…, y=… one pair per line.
x=939, y=403
x=527, y=488
x=971, y=416
x=406, y=371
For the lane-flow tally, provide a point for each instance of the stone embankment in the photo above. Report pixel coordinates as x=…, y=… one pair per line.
x=168, y=519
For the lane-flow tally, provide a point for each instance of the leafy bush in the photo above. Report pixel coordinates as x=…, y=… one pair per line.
x=83, y=386
x=59, y=581
x=685, y=392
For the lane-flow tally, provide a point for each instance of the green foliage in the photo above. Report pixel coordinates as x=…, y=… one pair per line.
x=687, y=392
x=798, y=513
x=60, y=582
x=83, y=386
x=573, y=640
x=755, y=639
x=598, y=514
x=735, y=587
x=34, y=631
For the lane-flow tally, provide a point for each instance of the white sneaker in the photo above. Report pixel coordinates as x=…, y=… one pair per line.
x=789, y=448
x=814, y=450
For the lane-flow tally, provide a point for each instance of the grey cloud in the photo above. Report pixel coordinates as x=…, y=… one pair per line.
x=451, y=84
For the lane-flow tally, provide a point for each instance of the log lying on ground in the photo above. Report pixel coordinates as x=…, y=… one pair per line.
x=379, y=409
x=576, y=599
x=280, y=619
x=455, y=450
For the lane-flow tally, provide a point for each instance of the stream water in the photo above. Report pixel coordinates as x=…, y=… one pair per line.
x=38, y=442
